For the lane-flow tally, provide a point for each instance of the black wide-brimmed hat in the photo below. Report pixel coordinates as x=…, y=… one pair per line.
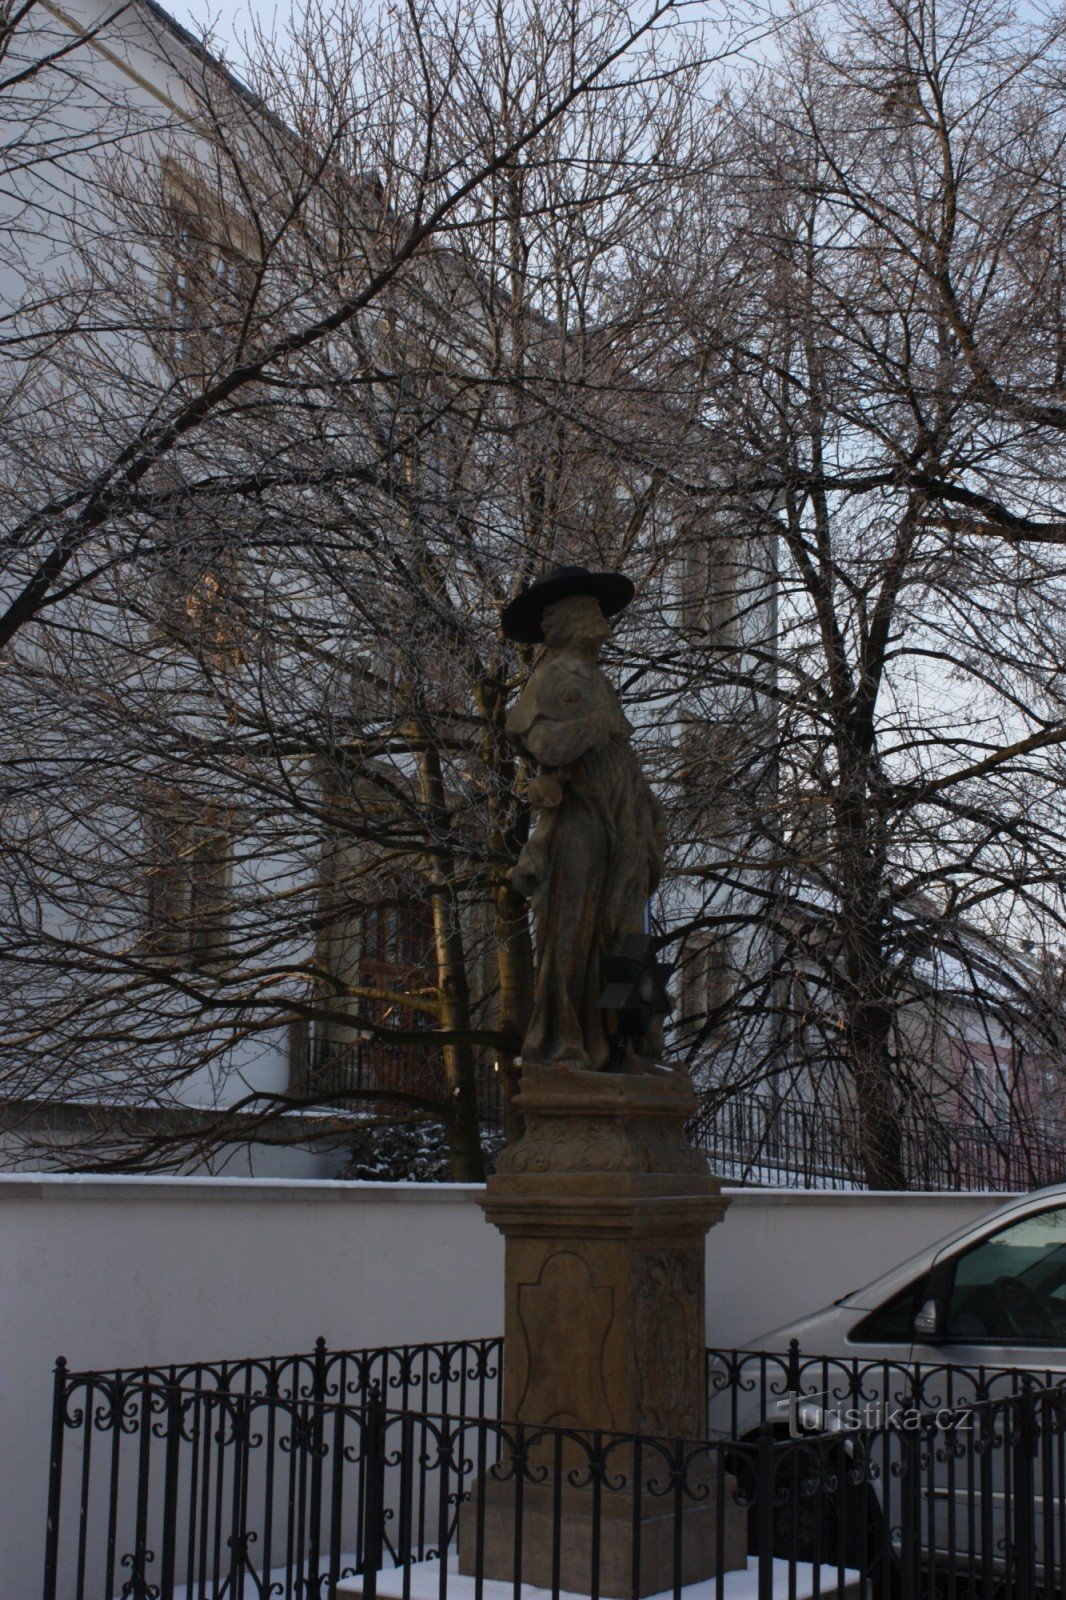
x=521, y=620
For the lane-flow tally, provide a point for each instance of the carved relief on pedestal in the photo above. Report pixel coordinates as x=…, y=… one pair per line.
x=564, y=1318
x=566, y=1145
x=661, y=1148
x=572, y=1144
x=668, y=1338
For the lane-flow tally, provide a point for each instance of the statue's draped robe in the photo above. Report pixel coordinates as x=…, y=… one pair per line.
x=594, y=858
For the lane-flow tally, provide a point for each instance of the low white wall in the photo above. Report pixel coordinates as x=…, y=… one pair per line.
x=130, y=1271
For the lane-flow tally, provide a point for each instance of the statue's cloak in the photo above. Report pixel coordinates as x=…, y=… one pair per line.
x=594, y=858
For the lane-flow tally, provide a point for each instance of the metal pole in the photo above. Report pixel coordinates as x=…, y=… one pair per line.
x=1023, y=1521
x=317, y=1448
x=374, y=1500
x=764, y=1507
x=55, y=1478
x=170, y=1491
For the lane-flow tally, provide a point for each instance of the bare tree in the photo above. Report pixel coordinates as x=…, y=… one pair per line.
x=443, y=300
x=871, y=219
x=366, y=377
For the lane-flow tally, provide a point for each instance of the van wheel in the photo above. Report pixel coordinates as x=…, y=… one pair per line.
x=834, y=1530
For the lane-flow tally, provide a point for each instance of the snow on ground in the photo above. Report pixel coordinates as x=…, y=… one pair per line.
x=425, y=1585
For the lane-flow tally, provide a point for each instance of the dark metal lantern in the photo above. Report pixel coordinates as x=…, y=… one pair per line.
x=521, y=620
x=635, y=986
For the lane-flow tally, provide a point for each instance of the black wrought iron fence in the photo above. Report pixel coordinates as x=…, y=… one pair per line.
x=359, y=1067
x=759, y=1140
x=193, y=1474
x=289, y=1476
x=460, y=1375
x=214, y=1492
x=790, y=1389
x=963, y=1486
x=360, y=1071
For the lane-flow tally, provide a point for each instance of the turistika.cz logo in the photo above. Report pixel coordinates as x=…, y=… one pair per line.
x=866, y=1418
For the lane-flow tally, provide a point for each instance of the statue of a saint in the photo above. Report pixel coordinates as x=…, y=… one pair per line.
x=595, y=855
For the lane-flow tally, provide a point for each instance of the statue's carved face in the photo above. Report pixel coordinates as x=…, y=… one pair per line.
x=575, y=620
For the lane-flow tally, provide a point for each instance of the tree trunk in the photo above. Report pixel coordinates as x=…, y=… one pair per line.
x=462, y=1122
x=880, y=1130
x=514, y=941
x=868, y=1014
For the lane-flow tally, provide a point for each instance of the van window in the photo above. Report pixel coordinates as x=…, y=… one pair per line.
x=893, y=1322
x=1011, y=1288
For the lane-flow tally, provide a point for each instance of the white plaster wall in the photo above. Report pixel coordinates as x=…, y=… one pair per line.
x=128, y=89
x=128, y=1271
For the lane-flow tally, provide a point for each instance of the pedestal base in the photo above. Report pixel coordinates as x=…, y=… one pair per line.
x=605, y=1206
x=636, y=1549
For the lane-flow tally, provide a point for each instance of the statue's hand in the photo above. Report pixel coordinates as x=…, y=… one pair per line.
x=545, y=791
x=522, y=881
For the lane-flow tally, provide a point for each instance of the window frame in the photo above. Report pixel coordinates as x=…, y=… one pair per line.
x=188, y=883
x=217, y=264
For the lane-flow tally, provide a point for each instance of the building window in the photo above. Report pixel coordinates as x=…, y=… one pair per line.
x=987, y=1088
x=195, y=603
x=708, y=984
x=207, y=287
x=705, y=767
x=708, y=587
x=982, y=1099
x=385, y=950
x=188, y=883
x=398, y=954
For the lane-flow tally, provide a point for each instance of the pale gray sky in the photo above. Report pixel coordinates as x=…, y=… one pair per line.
x=228, y=20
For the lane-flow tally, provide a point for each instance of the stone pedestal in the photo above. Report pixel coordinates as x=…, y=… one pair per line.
x=604, y=1205
x=568, y=1521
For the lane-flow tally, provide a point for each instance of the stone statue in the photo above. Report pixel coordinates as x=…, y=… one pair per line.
x=603, y=1202
x=595, y=855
